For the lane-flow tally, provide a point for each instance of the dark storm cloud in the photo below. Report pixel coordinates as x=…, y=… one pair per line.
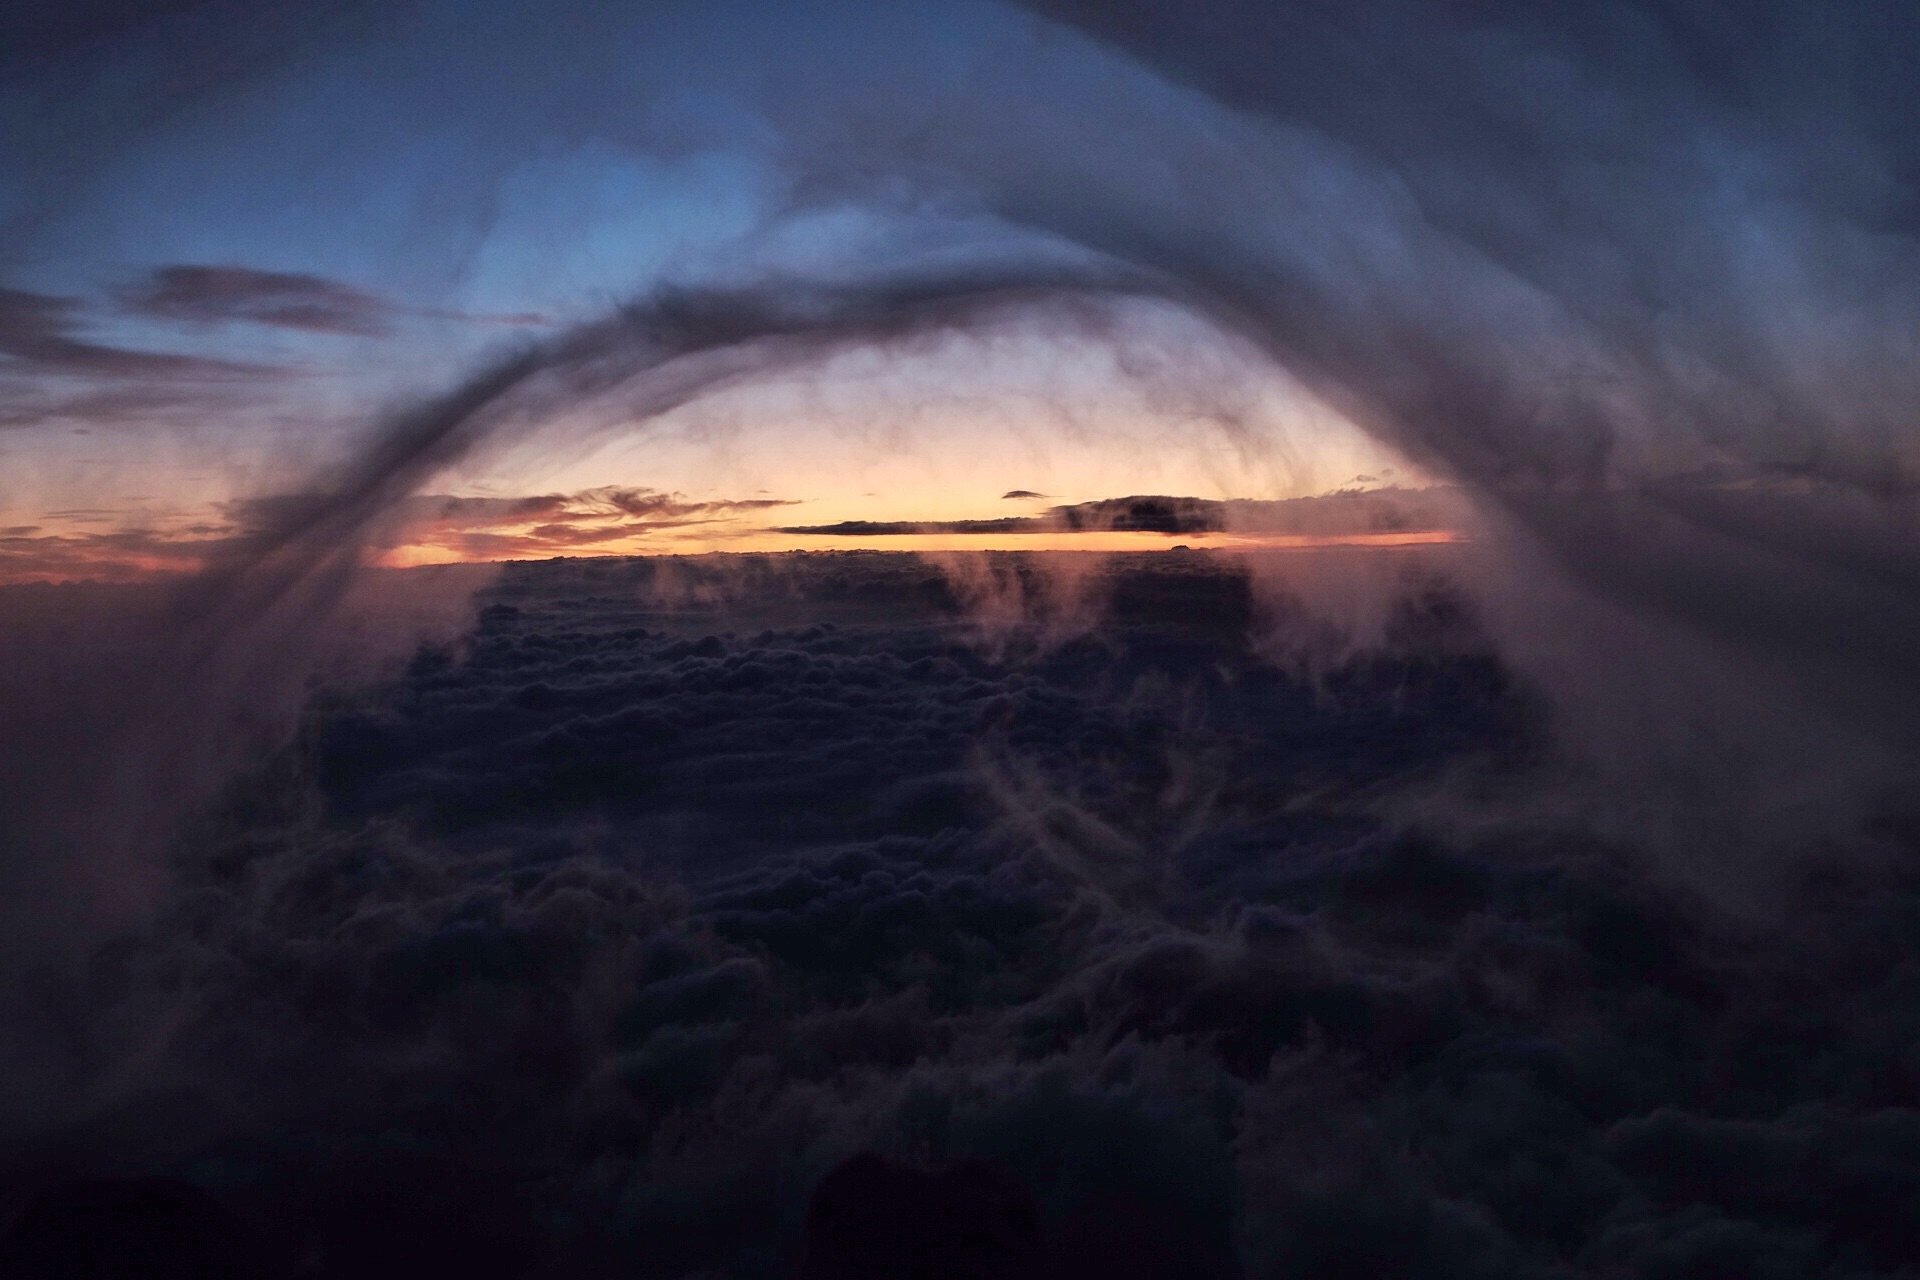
x=38, y=336
x=1019, y=494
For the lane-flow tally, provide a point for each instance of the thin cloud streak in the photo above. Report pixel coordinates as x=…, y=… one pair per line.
x=38, y=335
x=200, y=294
x=1330, y=515
x=288, y=300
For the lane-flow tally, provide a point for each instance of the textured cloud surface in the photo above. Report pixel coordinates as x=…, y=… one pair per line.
x=588, y=945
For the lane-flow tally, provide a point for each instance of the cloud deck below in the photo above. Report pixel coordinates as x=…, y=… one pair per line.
x=590, y=944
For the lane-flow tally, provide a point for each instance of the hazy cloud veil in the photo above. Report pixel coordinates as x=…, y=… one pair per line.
x=1641, y=278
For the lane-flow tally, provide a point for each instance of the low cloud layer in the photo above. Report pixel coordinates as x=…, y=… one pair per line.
x=691, y=914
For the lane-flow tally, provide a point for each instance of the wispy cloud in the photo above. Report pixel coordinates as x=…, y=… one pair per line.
x=40, y=334
x=198, y=293
x=29, y=401
x=487, y=528
x=288, y=300
x=30, y=553
x=51, y=370
x=428, y=526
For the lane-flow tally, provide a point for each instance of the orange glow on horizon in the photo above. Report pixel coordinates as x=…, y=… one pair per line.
x=58, y=559
x=769, y=542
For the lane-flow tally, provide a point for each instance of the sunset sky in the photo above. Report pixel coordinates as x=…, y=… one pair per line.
x=213, y=284
x=1478, y=835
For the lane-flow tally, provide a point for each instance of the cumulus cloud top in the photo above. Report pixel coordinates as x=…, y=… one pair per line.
x=696, y=881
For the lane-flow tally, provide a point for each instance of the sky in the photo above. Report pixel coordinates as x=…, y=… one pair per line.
x=1609, y=248
x=1484, y=843
x=217, y=281
x=291, y=288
